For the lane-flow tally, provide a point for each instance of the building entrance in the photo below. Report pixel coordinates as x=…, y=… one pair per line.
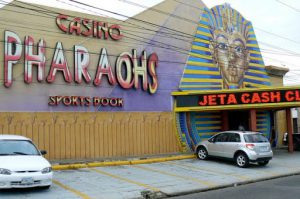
x=237, y=118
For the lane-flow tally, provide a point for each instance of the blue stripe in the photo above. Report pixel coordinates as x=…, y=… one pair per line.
x=216, y=18
x=257, y=62
x=246, y=26
x=243, y=20
x=210, y=17
x=252, y=42
x=253, y=48
x=201, y=83
x=204, y=68
x=184, y=128
x=207, y=125
x=207, y=119
x=201, y=52
x=208, y=130
x=202, y=76
x=197, y=59
x=257, y=68
x=257, y=82
x=206, y=23
x=195, y=133
x=200, y=44
x=204, y=15
x=203, y=37
x=252, y=36
x=255, y=55
x=257, y=75
x=203, y=29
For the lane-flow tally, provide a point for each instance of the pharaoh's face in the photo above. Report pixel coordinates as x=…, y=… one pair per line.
x=231, y=55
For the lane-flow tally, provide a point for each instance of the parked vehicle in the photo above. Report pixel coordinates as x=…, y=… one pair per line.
x=22, y=164
x=243, y=147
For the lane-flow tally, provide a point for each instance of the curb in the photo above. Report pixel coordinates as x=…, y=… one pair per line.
x=182, y=193
x=119, y=163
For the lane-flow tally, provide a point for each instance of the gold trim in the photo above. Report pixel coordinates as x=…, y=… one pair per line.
x=178, y=93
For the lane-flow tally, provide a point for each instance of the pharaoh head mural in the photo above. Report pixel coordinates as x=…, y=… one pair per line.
x=228, y=46
x=224, y=53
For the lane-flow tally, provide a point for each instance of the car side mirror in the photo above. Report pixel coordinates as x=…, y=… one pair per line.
x=43, y=152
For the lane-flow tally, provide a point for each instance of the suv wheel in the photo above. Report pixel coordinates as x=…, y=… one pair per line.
x=242, y=160
x=263, y=163
x=202, y=153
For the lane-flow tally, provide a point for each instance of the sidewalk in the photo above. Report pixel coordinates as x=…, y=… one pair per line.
x=161, y=179
x=174, y=177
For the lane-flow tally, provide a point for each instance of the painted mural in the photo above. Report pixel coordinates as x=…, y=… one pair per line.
x=224, y=55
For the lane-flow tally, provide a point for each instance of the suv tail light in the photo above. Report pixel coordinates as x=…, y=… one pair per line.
x=250, y=146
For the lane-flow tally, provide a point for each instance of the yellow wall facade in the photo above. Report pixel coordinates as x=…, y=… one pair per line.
x=95, y=135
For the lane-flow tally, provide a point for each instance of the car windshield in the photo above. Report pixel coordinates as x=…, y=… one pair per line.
x=17, y=147
x=255, y=138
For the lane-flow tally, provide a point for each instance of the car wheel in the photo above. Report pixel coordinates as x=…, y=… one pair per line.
x=202, y=153
x=242, y=160
x=263, y=163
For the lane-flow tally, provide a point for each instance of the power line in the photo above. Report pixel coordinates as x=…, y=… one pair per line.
x=168, y=35
x=152, y=44
x=268, y=32
x=160, y=11
x=135, y=35
x=287, y=5
x=220, y=16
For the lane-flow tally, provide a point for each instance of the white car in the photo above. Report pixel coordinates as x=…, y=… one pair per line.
x=22, y=164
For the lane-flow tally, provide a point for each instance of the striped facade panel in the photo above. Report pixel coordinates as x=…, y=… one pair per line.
x=263, y=123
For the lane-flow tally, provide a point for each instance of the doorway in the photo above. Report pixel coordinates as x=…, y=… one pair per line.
x=237, y=118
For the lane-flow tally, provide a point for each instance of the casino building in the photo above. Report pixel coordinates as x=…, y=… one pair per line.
x=89, y=87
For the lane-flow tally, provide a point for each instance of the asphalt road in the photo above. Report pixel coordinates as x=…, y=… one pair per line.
x=287, y=187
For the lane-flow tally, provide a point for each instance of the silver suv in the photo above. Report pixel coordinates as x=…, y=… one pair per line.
x=241, y=146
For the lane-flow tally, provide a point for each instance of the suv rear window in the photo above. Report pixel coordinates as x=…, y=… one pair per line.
x=255, y=138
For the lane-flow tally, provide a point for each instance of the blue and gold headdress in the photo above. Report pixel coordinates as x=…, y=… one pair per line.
x=201, y=72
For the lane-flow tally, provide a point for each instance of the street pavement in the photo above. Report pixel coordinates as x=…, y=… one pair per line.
x=157, y=180
x=279, y=188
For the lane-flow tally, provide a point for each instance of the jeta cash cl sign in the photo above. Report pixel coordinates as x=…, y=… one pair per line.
x=237, y=99
x=128, y=69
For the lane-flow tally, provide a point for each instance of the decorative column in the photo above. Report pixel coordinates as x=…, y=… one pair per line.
x=289, y=126
x=225, y=126
x=253, y=120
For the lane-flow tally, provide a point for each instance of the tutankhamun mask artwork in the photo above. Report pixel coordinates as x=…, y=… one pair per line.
x=228, y=47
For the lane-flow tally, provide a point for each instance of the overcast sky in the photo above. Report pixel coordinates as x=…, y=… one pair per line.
x=276, y=24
